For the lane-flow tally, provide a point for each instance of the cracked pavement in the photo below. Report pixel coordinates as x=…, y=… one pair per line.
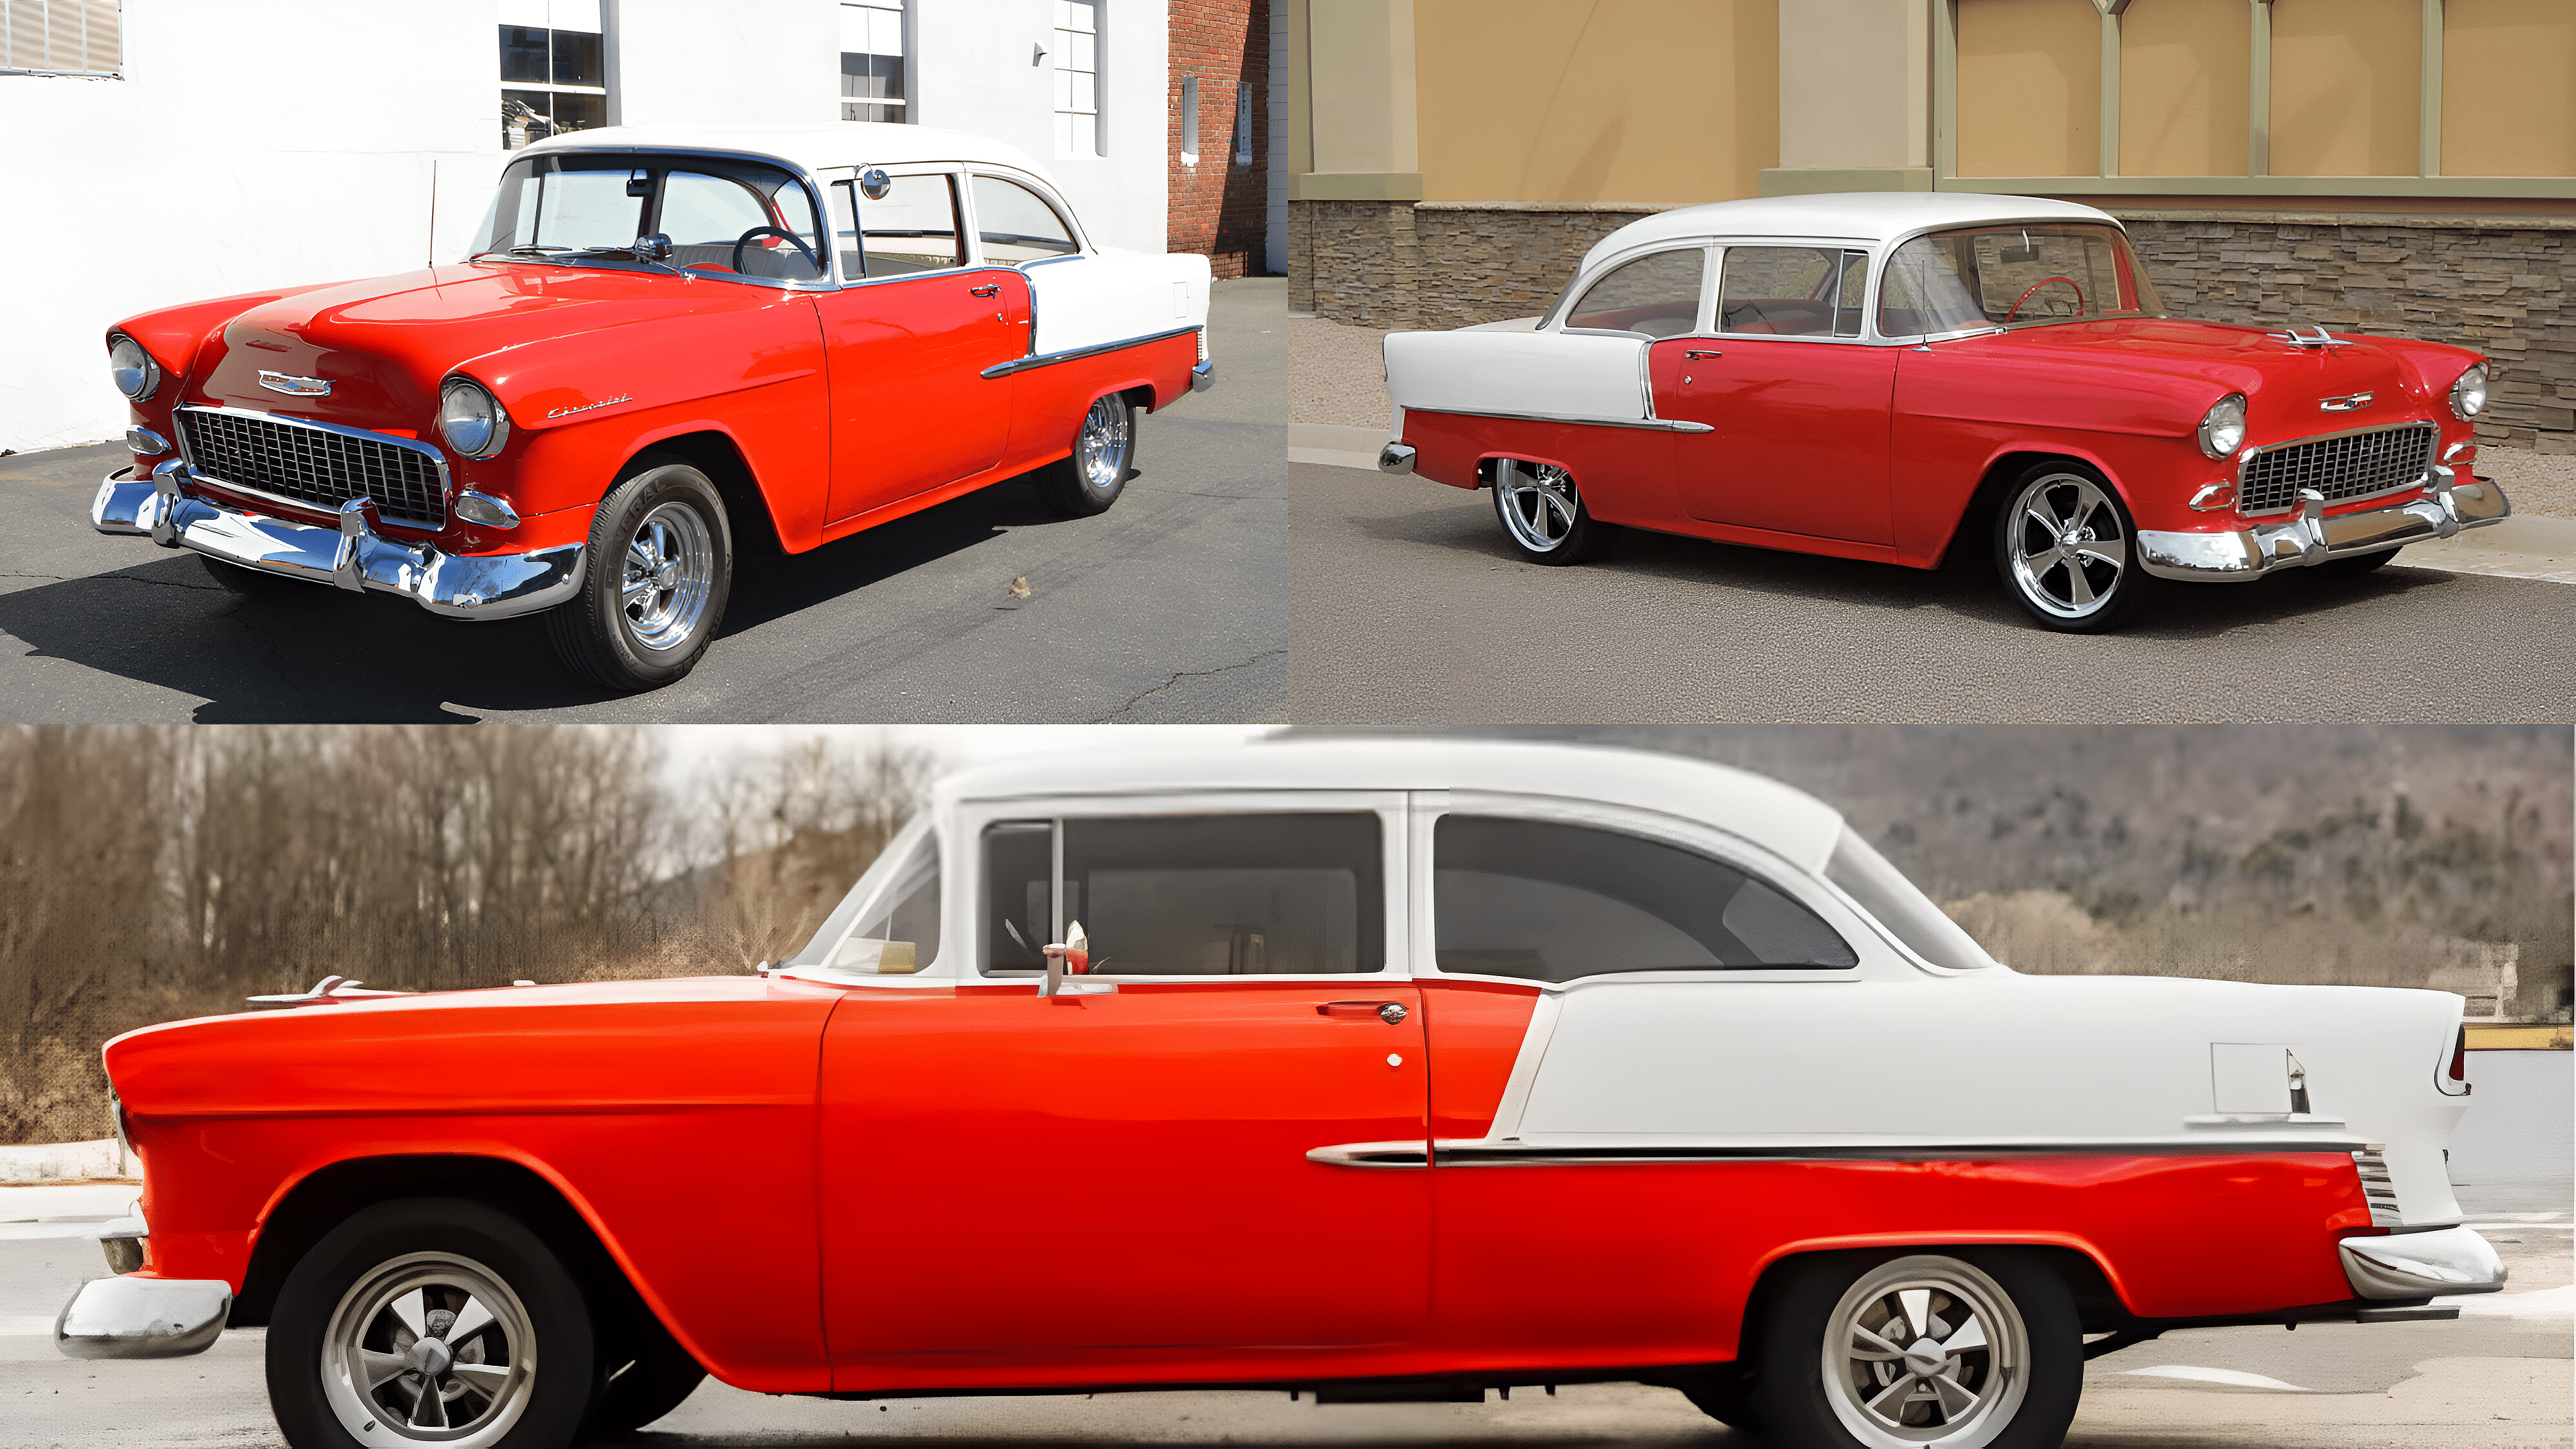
x=1171, y=607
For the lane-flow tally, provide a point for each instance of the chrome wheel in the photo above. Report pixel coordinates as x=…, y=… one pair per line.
x=429, y=1348
x=1100, y=451
x=2068, y=549
x=1538, y=503
x=1925, y=1350
x=670, y=568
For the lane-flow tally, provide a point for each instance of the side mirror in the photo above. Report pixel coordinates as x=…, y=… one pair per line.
x=653, y=246
x=874, y=183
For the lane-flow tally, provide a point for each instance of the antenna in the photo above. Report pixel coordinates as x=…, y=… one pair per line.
x=433, y=213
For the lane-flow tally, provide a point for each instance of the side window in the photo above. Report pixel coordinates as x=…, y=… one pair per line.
x=1552, y=902
x=913, y=228
x=1657, y=295
x=1791, y=291
x=899, y=932
x=1016, y=225
x=1189, y=895
x=715, y=222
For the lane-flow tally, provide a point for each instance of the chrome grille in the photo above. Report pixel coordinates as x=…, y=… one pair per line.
x=2347, y=465
x=317, y=464
x=2376, y=1189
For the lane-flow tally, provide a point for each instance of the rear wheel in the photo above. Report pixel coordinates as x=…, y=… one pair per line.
x=659, y=570
x=1871, y=1352
x=430, y=1321
x=1095, y=473
x=1543, y=513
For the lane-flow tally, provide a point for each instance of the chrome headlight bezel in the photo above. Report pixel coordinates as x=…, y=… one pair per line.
x=2222, y=428
x=471, y=421
x=138, y=376
x=2469, y=391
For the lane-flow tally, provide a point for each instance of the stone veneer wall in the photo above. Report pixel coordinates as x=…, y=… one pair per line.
x=2501, y=289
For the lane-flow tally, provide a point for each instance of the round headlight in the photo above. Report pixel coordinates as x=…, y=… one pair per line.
x=2469, y=394
x=131, y=368
x=2223, y=430
x=471, y=419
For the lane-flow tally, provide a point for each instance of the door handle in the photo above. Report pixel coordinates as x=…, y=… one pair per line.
x=1695, y=356
x=989, y=289
x=1390, y=1012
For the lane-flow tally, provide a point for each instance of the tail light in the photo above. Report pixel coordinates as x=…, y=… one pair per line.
x=2453, y=1081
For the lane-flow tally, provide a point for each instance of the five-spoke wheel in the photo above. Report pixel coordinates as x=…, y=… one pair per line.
x=430, y=1346
x=1543, y=513
x=2067, y=550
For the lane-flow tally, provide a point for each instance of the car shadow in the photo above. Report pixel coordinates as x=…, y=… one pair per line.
x=321, y=655
x=1966, y=588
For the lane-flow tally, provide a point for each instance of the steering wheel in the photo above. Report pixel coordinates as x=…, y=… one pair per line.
x=811, y=260
x=2035, y=286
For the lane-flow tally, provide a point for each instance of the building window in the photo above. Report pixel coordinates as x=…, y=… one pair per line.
x=552, y=81
x=1189, y=120
x=60, y=37
x=1242, y=123
x=872, y=61
x=1077, y=78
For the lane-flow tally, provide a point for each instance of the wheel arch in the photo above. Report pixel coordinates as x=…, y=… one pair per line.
x=716, y=453
x=2006, y=464
x=2088, y=1276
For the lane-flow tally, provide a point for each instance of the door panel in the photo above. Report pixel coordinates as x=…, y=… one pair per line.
x=1799, y=432
x=1128, y=1170
x=911, y=409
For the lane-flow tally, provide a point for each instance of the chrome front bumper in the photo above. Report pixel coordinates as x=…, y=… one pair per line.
x=353, y=556
x=2420, y=1265
x=143, y=1317
x=2311, y=537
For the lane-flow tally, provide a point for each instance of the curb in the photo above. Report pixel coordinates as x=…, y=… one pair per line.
x=60, y=1162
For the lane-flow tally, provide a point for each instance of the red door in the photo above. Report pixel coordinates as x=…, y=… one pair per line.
x=1799, y=432
x=1092, y=1183
x=911, y=407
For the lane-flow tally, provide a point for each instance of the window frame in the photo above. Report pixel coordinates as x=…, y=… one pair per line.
x=863, y=896
x=906, y=37
x=552, y=88
x=1036, y=187
x=959, y=189
x=1389, y=806
x=1559, y=317
x=664, y=160
x=1871, y=257
x=1868, y=941
x=85, y=45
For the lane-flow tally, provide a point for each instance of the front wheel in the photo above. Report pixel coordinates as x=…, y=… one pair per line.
x=659, y=570
x=1091, y=479
x=2352, y=563
x=648, y=1375
x=430, y=1322
x=1870, y=1352
x=2067, y=550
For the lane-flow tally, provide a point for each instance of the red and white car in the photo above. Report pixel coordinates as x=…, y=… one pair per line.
x=1396, y=1070
x=1898, y=376
x=669, y=342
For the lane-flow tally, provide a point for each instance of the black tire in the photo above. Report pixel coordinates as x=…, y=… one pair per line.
x=255, y=583
x=2080, y=575
x=1543, y=514
x=674, y=512
x=2352, y=563
x=1090, y=478
x=1724, y=1393
x=648, y=1375
x=2026, y=1314
x=346, y=1296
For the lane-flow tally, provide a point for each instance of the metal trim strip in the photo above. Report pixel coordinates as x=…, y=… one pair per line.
x=1665, y=425
x=1072, y=354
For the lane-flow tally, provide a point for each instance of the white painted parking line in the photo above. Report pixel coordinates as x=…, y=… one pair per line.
x=25, y=1325
x=92, y=1228
x=2541, y=1303
x=2234, y=1377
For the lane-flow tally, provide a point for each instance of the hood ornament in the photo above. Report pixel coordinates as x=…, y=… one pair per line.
x=2350, y=403
x=2319, y=338
x=295, y=386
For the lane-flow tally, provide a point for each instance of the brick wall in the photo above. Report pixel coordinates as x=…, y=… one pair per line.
x=2502, y=290
x=1220, y=206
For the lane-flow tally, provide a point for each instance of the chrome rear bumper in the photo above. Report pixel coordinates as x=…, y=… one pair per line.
x=143, y=1317
x=2312, y=537
x=2420, y=1265
x=353, y=556
x=1203, y=376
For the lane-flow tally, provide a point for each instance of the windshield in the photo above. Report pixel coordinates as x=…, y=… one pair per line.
x=888, y=925
x=2014, y=275
x=1906, y=913
x=737, y=220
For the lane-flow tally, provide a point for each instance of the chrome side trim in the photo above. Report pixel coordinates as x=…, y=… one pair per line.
x=1071, y=354
x=1510, y=1152
x=2377, y=1188
x=2418, y=1265
x=143, y=1317
x=1667, y=425
x=1374, y=1154
x=2312, y=536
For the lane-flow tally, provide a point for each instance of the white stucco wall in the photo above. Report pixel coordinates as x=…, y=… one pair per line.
x=264, y=143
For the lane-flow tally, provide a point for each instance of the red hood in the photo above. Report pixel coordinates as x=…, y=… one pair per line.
x=385, y=343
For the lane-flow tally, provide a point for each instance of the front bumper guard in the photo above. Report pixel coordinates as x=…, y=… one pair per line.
x=354, y=556
x=143, y=1317
x=2311, y=537
x=2419, y=1265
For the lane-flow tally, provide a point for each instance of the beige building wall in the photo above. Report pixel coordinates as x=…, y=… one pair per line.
x=1352, y=62
x=2509, y=88
x=1628, y=100
x=2030, y=88
x=2347, y=78
x=2183, y=94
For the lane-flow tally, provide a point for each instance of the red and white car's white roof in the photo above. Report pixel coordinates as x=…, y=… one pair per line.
x=1871, y=217
x=813, y=145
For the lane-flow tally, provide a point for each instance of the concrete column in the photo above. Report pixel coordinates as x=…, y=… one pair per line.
x=1352, y=81
x=1855, y=97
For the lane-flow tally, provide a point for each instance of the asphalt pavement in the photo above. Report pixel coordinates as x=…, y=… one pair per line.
x=1170, y=607
x=1410, y=609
